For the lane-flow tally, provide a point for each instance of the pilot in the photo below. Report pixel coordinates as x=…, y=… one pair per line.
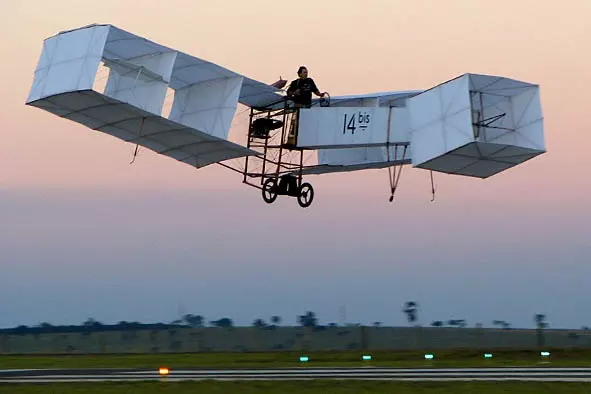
x=300, y=90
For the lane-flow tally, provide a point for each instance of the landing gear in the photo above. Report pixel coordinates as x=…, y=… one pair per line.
x=273, y=135
x=269, y=190
x=288, y=186
x=305, y=195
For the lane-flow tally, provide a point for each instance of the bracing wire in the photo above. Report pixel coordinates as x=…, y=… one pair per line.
x=432, y=186
x=138, y=145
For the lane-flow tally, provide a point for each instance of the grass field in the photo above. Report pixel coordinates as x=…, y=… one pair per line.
x=447, y=358
x=311, y=387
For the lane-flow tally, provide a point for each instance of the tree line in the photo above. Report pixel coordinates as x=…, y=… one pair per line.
x=308, y=319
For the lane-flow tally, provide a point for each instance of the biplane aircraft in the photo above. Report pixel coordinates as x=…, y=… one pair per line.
x=473, y=125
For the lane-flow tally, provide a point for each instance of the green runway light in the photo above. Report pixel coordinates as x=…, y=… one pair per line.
x=304, y=359
x=429, y=356
x=487, y=355
x=366, y=358
x=545, y=354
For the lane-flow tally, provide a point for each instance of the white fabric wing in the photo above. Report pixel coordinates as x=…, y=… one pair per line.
x=141, y=74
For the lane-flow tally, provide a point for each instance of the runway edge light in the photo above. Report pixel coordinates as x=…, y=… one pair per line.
x=488, y=355
x=366, y=357
x=304, y=359
x=429, y=356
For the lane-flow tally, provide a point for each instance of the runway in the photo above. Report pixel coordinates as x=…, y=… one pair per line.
x=304, y=373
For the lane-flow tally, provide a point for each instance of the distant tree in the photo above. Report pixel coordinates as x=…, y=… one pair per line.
x=352, y=324
x=411, y=311
x=501, y=323
x=437, y=323
x=21, y=330
x=308, y=320
x=541, y=324
x=223, y=322
x=259, y=323
x=193, y=320
x=276, y=320
x=92, y=323
x=457, y=323
x=540, y=320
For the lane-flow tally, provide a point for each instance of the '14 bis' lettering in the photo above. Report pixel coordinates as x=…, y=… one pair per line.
x=362, y=119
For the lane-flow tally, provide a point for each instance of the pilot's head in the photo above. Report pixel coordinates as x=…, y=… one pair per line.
x=303, y=72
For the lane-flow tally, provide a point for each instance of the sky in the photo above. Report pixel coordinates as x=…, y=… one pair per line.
x=86, y=234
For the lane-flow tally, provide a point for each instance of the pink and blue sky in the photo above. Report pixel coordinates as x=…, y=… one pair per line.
x=85, y=234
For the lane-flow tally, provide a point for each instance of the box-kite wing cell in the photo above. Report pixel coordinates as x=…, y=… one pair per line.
x=140, y=73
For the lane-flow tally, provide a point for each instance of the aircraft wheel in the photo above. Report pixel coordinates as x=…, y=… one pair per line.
x=269, y=190
x=305, y=195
